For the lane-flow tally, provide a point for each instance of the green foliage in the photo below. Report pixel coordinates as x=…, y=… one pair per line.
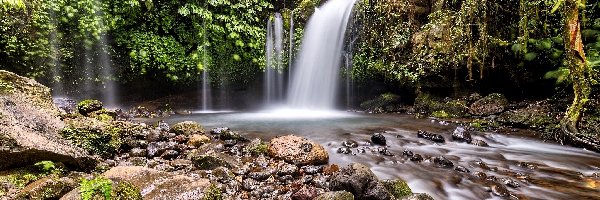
x=97, y=187
x=49, y=167
x=440, y=114
x=20, y=177
x=380, y=102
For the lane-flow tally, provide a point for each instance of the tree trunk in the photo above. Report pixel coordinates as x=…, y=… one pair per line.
x=576, y=62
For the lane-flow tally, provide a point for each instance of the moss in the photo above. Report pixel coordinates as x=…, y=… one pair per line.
x=126, y=191
x=187, y=128
x=212, y=193
x=95, y=141
x=89, y=105
x=440, y=114
x=257, y=149
x=398, y=188
x=21, y=177
x=97, y=188
x=5, y=86
x=49, y=167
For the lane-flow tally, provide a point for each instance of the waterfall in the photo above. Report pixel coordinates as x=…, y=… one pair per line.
x=316, y=70
x=206, y=94
x=56, y=78
x=291, y=49
x=107, y=73
x=274, y=80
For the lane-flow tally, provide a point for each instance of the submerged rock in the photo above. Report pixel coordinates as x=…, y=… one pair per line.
x=378, y=138
x=441, y=161
x=431, y=136
x=344, y=150
x=29, y=126
x=297, y=150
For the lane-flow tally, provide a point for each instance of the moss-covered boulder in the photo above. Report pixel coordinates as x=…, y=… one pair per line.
x=381, y=103
x=89, y=105
x=29, y=126
x=98, y=137
x=187, y=128
x=50, y=187
x=398, y=188
x=491, y=104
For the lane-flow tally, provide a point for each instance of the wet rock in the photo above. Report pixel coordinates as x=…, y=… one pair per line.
x=418, y=196
x=461, y=135
x=337, y=195
x=297, y=150
x=354, y=178
x=230, y=135
x=489, y=105
x=376, y=191
x=137, y=152
x=430, y=136
x=331, y=169
x=88, y=106
x=287, y=169
x=441, y=161
x=187, y=128
x=312, y=169
x=169, y=154
x=499, y=190
x=416, y=158
x=197, y=140
x=51, y=187
x=510, y=183
x=408, y=153
x=159, y=185
x=305, y=193
x=212, y=161
x=398, y=188
x=480, y=143
x=65, y=104
x=30, y=126
x=384, y=151
x=219, y=130
x=179, y=164
x=461, y=169
x=229, y=143
x=350, y=144
x=378, y=138
x=344, y=150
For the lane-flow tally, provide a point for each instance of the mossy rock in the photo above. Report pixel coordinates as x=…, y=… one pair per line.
x=533, y=117
x=103, y=115
x=187, y=128
x=97, y=137
x=101, y=188
x=50, y=187
x=398, y=188
x=212, y=192
x=256, y=147
x=381, y=103
x=30, y=90
x=441, y=108
x=89, y=105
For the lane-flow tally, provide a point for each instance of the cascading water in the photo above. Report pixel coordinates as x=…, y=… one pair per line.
x=109, y=92
x=56, y=73
x=206, y=94
x=274, y=80
x=291, y=50
x=315, y=77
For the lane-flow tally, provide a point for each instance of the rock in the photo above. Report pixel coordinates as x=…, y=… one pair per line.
x=380, y=103
x=430, y=136
x=480, y=143
x=50, y=187
x=229, y=143
x=461, y=135
x=65, y=105
x=397, y=188
x=29, y=127
x=88, y=106
x=212, y=160
x=489, y=105
x=510, y=183
x=378, y=138
x=287, y=169
x=219, y=130
x=418, y=196
x=311, y=169
x=297, y=150
x=169, y=154
x=156, y=149
x=187, y=128
x=137, y=152
x=499, y=190
x=198, y=140
x=384, y=151
x=230, y=135
x=157, y=185
x=305, y=193
x=441, y=161
x=344, y=150
x=350, y=144
x=354, y=178
x=331, y=169
x=376, y=191
x=461, y=169
x=337, y=195
x=256, y=147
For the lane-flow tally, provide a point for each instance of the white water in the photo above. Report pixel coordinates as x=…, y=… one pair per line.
x=274, y=80
x=206, y=94
x=109, y=90
x=315, y=76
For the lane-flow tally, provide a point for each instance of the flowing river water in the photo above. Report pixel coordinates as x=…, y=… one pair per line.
x=533, y=168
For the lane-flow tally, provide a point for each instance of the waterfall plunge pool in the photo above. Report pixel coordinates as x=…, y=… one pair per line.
x=541, y=170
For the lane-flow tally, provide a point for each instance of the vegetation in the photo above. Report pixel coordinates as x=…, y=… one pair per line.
x=97, y=187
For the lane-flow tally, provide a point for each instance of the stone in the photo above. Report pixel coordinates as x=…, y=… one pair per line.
x=137, y=152
x=336, y=195
x=212, y=160
x=344, y=150
x=431, y=136
x=398, y=188
x=461, y=135
x=50, y=187
x=441, y=161
x=354, y=178
x=187, y=128
x=418, y=196
x=378, y=138
x=230, y=135
x=350, y=144
x=305, y=193
x=88, y=106
x=297, y=150
x=480, y=143
x=219, y=130
x=198, y=140
x=169, y=154
x=489, y=105
x=499, y=190
x=30, y=126
x=461, y=169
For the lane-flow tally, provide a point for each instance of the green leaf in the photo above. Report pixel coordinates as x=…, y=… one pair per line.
x=530, y=56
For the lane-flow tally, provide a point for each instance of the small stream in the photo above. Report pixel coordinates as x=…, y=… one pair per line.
x=535, y=169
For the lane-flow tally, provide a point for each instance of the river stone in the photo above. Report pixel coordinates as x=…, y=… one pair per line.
x=29, y=126
x=50, y=187
x=354, y=178
x=431, y=136
x=489, y=105
x=378, y=138
x=376, y=191
x=298, y=150
x=337, y=195
x=187, y=128
x=305, y=193
x=197, y=140
x=442, y=161
x=418, y=196
x=461, y=135
x=158, y=185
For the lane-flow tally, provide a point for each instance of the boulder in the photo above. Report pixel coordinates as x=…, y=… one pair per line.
x=50, y=187
x=337, y=195
x=157, y=185
x=354, y=178
x=418, y=196
x=297, y=150
x=489, y=105
x=88, y=106
x=197, y=140
x=187, y=128
x=29, y=126
x=378, y=138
